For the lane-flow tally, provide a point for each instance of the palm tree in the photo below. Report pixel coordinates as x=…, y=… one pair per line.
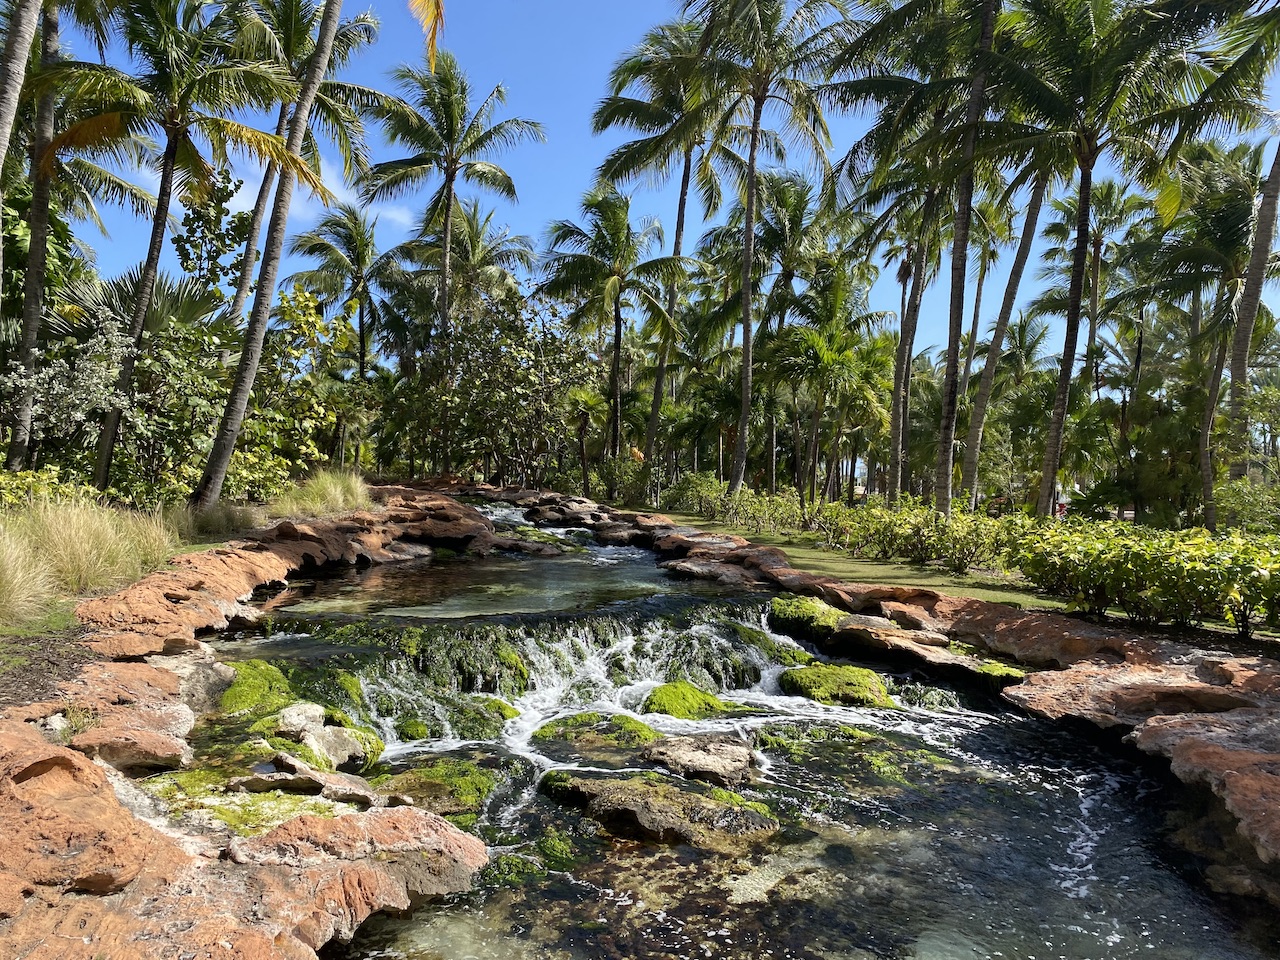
x=758, y=53
x=349, y=269
x=24, y=16
x=993, y=227
x=602, y=263
x=986, y=384
x=451, y=138
x=207, y=492
x=191, y=74
x=657, y=90
x=1092, y=78
x=289, y=40
x=47, y=174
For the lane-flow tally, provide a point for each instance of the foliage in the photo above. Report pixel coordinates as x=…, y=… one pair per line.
x=211, y=233
x=1251, y=506
x=26, y=486
x=88, y=547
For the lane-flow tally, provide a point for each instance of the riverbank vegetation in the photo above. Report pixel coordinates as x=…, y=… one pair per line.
x=1118, y=157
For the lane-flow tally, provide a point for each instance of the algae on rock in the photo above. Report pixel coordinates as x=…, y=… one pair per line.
x=683, y=701
x=837, y=684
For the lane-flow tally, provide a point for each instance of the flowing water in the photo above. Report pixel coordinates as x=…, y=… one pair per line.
x=947, y=829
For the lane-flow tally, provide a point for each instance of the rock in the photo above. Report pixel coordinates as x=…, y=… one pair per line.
x=342, y=747
x=649, y=808
x=701, y=569
x=726, y=761
x=830, y=683
x=64, y=827
x=294, y=776
x=683, y=700
x=298, y=719
x=132, y=749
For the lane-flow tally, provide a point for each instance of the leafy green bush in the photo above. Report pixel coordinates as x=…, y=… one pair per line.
x=28, y=486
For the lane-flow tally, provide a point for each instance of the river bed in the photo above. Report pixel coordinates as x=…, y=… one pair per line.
x=948, y=828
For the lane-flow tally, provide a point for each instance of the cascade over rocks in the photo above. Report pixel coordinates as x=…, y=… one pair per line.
x=1214, y=715
x=81, y=876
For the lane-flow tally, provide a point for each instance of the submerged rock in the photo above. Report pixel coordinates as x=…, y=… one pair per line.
x=717, y=759
x=651, y=807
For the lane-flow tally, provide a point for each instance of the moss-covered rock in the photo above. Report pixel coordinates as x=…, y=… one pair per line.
x=684, y=701
x=259, y=688
x=597, y=729
x=797, y=740
x=456, y=789
x=653, y=807
x=202, y=794
x=832, y=684
x=783, y=654
x=805, y=618
x=1002, y=674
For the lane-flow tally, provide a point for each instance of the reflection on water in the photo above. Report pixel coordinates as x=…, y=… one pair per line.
x=500, y=585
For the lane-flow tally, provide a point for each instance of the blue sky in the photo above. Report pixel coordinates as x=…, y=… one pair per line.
x=554, y=60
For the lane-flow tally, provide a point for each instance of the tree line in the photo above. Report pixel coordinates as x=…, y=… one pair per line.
x=1127, y=138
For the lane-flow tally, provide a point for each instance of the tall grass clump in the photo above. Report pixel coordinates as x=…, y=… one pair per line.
x=88, y=547
x=26, y=585
x=324, y=492
x=219, y=521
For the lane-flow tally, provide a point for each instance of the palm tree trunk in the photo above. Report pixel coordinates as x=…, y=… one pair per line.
x=23, y=18
x=615, y=393
x=1053, y=448
x=137, y=322
x=959, y=271
x=446, y=331
x=362, y=343
x=1206, y=435
x=811, y=455
x=739, y=468
x=215, y=471
x=773, y=454
x=1247, y=314
x=902, y=372
x=986, y=385
x=38, y=250
x=973, y=331
x=1095, y=308
x=250, y=258
x=677, y=247
x=584, y=424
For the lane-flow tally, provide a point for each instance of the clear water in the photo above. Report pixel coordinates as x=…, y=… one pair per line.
x=968, y=832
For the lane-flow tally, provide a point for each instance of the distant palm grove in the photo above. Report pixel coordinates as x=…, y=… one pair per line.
x=1084, y=184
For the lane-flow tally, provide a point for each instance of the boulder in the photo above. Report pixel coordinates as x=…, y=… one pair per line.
x=722, y=760
x=294, y=776
x=650, y=808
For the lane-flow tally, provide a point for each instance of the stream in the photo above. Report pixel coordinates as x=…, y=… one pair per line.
x=950, y=828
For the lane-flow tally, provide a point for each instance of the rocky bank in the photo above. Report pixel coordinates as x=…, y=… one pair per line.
x=94, y=867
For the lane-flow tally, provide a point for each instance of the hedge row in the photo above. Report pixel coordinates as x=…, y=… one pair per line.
x=1154, y=576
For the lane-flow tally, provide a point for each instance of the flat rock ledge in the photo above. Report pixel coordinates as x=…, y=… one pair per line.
x=1214, y=715
x=87, y=872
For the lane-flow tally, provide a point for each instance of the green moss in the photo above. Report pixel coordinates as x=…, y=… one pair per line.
x=556, y=849
x=500, y=707
x=806, y=618
x=1002, y=673
x=515, y=678
x=370, y=742
x=301, y=751
x=684, y=701
x=796, y=740
x=780, y=653
x=412, y=730
x=737, y=800
x=204, y=791
x=619, y=730
x=511, y=870
x=349, y=683
x=829, y=683
x=259, y=688
x=447, y=786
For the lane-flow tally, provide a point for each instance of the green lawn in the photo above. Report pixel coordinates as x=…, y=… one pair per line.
x=806, y=555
